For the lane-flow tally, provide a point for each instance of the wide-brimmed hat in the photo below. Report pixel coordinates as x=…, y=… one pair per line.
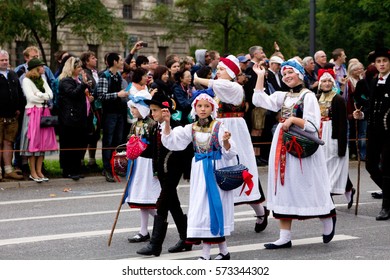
x=385, y=52
x=162, y=101
x=35, y=62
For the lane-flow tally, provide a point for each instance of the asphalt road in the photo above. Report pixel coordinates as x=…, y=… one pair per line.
x=66, y=220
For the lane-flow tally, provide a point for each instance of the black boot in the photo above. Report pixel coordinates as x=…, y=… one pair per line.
x=181, y=245
x=158, y=235
x=384, y=214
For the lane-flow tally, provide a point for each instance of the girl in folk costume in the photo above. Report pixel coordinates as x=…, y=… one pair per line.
x=143, y=188
x=231, y=113
x=298, y=188
x=211, y=210
x=36, y=141
x=333, y=131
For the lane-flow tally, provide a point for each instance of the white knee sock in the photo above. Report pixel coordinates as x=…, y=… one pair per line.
x=259, y=210
x=327, y=225
x=348, y=195
x=144, y=221
x=223, y=249
x=206, y=250
x=284, y=237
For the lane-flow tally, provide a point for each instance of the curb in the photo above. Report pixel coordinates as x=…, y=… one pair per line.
x=55, y=182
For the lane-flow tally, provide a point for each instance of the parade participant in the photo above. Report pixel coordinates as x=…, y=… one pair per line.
x=168, y=166
x=211, y=210
x=143, y=188
x=378, y=133
x=298, y=188
x=334, y=127
x=231, y=113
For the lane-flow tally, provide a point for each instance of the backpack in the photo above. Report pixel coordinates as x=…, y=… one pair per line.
x=97, y=101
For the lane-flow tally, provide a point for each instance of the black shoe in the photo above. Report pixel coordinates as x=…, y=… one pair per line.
x=384, y=215
x=202, y=259
x=263, y=225
x=180, y=246
x=150, y=250
x=71, y=176
x=329, y=237
x=221, y=256
x=272, y=246
x=352, y=195
x=109, y=177
x=139, y=238
x=377, y=195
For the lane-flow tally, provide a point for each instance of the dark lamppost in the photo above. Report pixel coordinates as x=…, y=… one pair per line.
x=312, y=27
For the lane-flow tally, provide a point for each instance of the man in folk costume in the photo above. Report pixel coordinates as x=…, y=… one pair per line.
x=378, y=130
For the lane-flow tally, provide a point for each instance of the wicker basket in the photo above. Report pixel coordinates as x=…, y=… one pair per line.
x=299, y=143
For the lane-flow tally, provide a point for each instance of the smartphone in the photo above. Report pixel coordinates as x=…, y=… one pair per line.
x=144, y=44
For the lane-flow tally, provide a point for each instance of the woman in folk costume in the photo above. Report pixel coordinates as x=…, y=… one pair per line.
x=211, y=210
x=231, y=113
x=298, y=188
x=143, y=188
x=334, y=125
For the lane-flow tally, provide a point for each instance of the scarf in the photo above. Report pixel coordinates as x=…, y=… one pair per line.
x=38, y=82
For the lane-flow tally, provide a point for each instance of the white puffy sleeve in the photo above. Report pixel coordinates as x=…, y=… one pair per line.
x=227, y=91
x=271, y=102
x=232, y=152
x=178, y=139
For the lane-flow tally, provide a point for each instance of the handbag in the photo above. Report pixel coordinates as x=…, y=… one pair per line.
x=48, y=121
x=230, y=177
x=300, y=143
x=135, y=147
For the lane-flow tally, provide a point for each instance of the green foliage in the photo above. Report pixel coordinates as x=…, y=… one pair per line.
x=230, y=26
x=38, y=21
x=356, y=26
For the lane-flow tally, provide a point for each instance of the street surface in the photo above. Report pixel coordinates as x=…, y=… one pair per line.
x=66, y=220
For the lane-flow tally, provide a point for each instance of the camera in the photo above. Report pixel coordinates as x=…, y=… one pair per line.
x=144, y=44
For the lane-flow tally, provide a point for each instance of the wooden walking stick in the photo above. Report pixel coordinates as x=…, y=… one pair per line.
x=120, y=204
x=358, y=157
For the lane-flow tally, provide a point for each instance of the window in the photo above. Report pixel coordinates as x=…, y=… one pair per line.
x=127, y=11
x=20, y=47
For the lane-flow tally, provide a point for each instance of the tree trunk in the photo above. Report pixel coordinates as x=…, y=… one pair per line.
x=54, y=46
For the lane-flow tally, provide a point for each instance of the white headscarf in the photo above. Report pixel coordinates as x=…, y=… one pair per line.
x=137, y=101
x=204, y=96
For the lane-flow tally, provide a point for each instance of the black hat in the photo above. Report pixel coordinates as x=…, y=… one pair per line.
x=162, y=101
x=378, y=53
x=35, y=62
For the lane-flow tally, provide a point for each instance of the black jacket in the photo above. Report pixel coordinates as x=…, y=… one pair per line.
x=72, y=103
x=11, y=96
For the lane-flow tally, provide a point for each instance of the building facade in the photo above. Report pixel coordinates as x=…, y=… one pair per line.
x=132, y=13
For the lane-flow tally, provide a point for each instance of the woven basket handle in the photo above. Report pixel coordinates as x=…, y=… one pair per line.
x=121, y=145
x=238, y=161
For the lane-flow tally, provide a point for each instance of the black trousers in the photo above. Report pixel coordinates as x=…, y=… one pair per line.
x=73, y=142
x=378, y=160
x=169, y=199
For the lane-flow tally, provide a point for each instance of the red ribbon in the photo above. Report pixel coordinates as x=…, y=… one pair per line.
x=165, y=103
x=293, y=145
x=112, y=162
x=247, y=181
